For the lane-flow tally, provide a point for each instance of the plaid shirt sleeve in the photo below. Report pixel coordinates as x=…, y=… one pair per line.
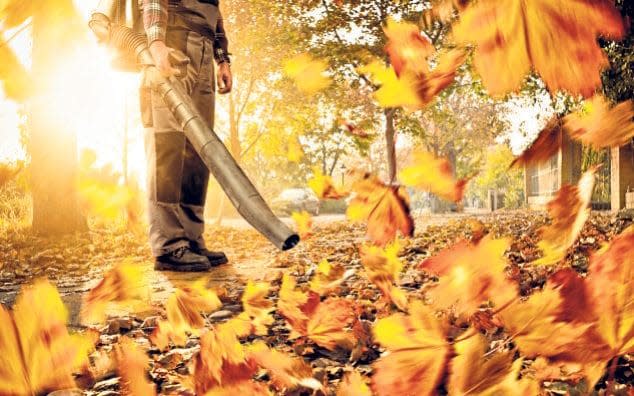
x=221, y=44
x=155, y=19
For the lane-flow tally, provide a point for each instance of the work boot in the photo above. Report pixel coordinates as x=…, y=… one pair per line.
x=215, y=258
x=182, y=259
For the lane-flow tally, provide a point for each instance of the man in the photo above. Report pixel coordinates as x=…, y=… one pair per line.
x=177, y=176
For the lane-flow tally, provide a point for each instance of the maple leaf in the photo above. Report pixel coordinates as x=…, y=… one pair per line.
x=222, y=361
x=569, y=211
x=534, y=327
x=473, y=373
x=121, y=284
x=257, y=308
x=418, y=353
x=547, y=144
x=433, y=174
x=611, y=276
x=308, y=73
x=323, y=186
x=286, y=372
x=407, y=47
x=37, y=354
x=295, y=151
x=324, y=322
x=132, y=365
x=470, y=275
x=429, y=85
x=353, y=384
x=384, y=270
x=599, y=125
x=183, y=313
x=557, y=39
x=393, y=91
x=384, y=208
x=304, y=223
x=328, y=276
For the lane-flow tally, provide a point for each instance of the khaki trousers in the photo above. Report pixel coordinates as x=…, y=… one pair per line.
x=177, y=177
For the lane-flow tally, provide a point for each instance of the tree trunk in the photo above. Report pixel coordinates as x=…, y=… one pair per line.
x=390, y=144
x=53, y=150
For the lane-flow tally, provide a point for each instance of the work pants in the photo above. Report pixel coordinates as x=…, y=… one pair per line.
x=177, y=177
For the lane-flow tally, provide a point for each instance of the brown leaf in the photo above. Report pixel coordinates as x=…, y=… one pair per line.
x=547, y=144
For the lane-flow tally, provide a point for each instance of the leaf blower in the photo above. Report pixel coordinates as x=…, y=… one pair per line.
x=108, y=25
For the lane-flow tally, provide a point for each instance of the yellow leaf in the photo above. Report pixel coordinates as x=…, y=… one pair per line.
x=121, y=284
x=256, y=306
x=328, y=276
x=304, y=223
x=353, y=385
x=394, y=91
x=435, y=175
x=132, y=365
x=286, y=372
x=308, y=73
x=418, y=353
x=384, y=270
x=37, y=354
x=323, y=186
x=407, y=47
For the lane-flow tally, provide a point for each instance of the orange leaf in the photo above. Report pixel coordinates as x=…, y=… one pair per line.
x=355, y=130
x=473, y=373
x=353, y=384
x=121, y=284
x=599, y=125
x=611, y=280
x=569, y=211
x=256, y=306
x=418, y=353
x=37, y=354
x=431, y=84
x=328, y=276
x=183, y=313
x=435, y=175
x=557, y=39
x=547, y=144
x=384, y=208
x=222, y=361
x=534, y=327
x=132, y=364
x=286, y=372
x=470, y=275
x=326, y=323
x=407, y=47
x=304, y=223
x=384, y=270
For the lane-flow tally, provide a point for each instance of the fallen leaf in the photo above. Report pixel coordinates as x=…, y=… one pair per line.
x=121, y=284
x=470, y=275
x=383, y=268
x=286, y=372
x=385, y=209
x=37, y=354
x=556, y=39
x=328, y=276
x=418, y=353
x=353, y=384
x=132, y=365
x=257, y=307
x=323, y=186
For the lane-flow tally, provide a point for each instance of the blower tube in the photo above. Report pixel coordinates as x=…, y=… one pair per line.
x=209, y=147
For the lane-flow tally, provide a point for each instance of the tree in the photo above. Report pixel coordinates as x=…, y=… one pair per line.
x=55, y=26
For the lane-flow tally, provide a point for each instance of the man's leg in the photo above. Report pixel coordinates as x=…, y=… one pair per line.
x=166, y=147
x=195, y=172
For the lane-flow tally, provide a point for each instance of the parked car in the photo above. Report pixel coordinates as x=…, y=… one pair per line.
x=296, y=200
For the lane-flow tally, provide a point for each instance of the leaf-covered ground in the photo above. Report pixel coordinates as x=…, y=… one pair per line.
x=76, y=264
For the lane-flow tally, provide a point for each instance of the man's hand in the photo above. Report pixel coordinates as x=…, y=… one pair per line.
x=161, y=52
x=224, y=78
